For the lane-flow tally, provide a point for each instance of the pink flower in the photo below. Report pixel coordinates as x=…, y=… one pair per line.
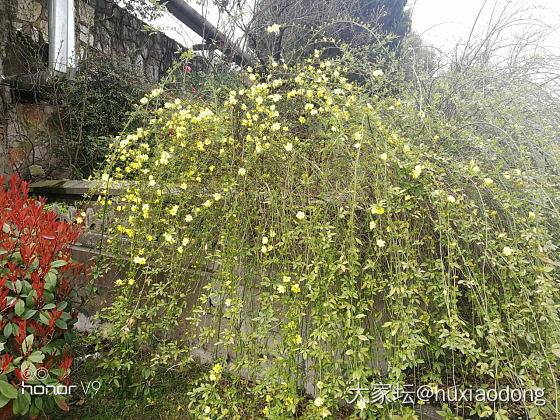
x=188, y=69
x=193, y=90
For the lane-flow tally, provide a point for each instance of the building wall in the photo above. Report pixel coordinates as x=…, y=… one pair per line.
x=26, y=131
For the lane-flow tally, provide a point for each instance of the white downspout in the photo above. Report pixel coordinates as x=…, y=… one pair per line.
x=62, y=38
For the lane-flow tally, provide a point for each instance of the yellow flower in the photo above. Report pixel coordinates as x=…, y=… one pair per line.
x=139, y=260
x=241, y=172
x=416, y=171
x=300, y=215
x=383, y=156
x=276, y=126
x=450, y=198
x=188, y=218
x=377, y=210
x=286, y=279
x=297, y=339
x=217, y=368
x=288, y=147
x=173, y=210
x=507, y=251
x=488, y=181
x=361, y=405
x=295, y=288
x=532, y=215
x=319, y=401
x=273, y=29
x=302, y=119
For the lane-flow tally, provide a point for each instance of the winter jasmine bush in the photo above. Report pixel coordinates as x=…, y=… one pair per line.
x=314, y=237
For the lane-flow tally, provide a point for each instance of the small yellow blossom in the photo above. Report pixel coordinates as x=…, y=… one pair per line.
x=416, y=171
x=319, y=401
x=488, y=181
x=300, y=215
x=288, y=147
x=295, y=288
x=139, y=260
x=273, y=29
x=361, y=405
x=297, y=339
x=377, y=210
x=241, y=172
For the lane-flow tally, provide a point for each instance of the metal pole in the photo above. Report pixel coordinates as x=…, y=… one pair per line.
x=206, y=30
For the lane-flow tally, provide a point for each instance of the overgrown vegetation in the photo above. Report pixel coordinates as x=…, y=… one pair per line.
x=333, y=237
x=92, y=108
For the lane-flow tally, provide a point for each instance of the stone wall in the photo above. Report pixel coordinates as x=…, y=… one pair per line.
x=26, y=129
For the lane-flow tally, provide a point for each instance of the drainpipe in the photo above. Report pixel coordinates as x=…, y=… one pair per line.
x=206, y=30
x=62, y=38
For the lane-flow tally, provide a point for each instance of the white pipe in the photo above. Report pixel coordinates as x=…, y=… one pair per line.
x=62, y=37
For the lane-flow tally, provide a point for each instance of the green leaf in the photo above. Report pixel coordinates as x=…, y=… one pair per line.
x=3, y=401
x=8, y=330
x=36, y=357
x=8, y=390
x=556, y=349
x=20, y=307
x=22, y=403
x=59, y=399
x=61, y=324
x=43, y=318
x=29, y=313
x=27, y=344
x=58, y=263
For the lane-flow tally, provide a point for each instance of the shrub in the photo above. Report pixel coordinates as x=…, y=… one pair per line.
x=92, y=108
x=38, y=293
x=332, y=239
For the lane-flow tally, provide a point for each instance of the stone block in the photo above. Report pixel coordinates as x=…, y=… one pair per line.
x=28, y=10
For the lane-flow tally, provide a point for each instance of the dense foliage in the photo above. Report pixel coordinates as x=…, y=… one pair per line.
x=38, y=298
x=93, y=107
x=310, y=236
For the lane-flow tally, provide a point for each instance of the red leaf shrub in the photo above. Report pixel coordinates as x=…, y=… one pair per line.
x=38, y=297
